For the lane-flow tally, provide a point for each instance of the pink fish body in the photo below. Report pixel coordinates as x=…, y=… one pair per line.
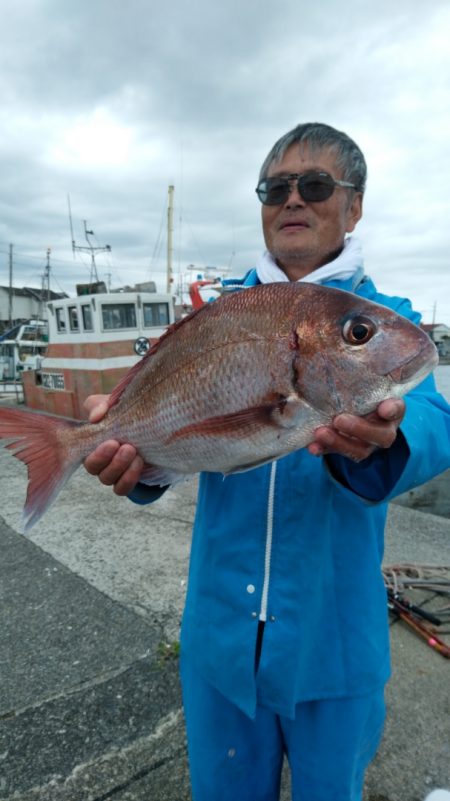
x=240, y=382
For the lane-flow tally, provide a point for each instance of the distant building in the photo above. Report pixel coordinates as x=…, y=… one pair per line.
x=27, y=303
x=440, y=334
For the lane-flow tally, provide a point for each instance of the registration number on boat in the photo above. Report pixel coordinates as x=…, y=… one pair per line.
x=53, y=380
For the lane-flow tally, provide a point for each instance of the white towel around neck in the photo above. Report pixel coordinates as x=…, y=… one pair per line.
x=341, y=268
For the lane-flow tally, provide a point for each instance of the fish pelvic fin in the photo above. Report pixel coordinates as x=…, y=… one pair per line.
x=35, y=439
x=156, y=476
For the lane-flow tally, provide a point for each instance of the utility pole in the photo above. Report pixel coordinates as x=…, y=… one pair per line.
x=169, y=238
x=10, y=297
x=46, y=277
x=433, y=321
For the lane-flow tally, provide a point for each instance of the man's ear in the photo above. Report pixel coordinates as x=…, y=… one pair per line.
x=354, y=212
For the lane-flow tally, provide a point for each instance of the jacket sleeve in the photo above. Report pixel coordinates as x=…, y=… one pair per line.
x=143, y=494
x=420, y=452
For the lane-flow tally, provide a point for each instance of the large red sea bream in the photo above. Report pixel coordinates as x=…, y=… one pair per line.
x=240, y=382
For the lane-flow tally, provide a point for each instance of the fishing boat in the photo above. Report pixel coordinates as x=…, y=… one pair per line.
x=93, y=339
x=22, y=348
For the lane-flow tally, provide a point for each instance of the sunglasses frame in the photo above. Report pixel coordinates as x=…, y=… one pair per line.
x=288, y=180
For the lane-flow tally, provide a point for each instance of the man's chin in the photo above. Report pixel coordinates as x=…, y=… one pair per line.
x=289, y=254
x=296, y=264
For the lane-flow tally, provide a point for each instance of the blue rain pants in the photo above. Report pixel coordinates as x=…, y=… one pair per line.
x=328, y=745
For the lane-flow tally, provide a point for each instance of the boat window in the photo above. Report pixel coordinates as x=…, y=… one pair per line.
x=28, y=350
x=156, y=314
x=118, y=315
x=30, y=332
x=60, y=321
x=87, y=318
x=73, y=318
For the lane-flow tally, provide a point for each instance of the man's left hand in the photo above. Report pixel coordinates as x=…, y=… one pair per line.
x=358, y=437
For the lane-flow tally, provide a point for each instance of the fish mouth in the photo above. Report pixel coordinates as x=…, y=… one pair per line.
x=417, y=367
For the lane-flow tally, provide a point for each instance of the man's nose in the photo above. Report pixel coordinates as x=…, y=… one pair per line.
x=294, y=197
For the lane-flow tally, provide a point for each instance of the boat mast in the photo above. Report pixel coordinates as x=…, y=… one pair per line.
x=169, y=238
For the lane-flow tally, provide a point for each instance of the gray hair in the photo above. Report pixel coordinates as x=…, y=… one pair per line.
x=318, y=136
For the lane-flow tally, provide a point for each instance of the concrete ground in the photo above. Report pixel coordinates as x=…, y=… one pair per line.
x=89, y=699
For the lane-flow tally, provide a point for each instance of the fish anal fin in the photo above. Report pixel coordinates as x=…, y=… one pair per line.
x=154, y=475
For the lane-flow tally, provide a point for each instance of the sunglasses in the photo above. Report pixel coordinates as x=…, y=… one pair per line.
x=314, y=187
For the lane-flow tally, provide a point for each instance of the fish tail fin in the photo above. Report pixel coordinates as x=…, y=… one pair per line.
x=36, y=440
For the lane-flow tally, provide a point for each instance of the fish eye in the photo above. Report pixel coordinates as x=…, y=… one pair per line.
x=358, y=330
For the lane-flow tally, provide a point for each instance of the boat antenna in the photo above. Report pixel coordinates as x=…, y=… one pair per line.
x=71, y=226
x=90, y=248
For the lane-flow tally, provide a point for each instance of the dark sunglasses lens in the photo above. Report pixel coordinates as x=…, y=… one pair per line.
x=273, y=191
x=314, y=188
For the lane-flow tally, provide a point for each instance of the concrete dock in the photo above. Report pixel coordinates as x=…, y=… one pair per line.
x=89, y=698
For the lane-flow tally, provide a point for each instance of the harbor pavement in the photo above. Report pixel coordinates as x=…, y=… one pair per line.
x=90, y=705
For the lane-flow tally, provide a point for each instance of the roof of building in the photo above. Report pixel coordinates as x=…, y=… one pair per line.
x=432, y=326
x=32, y=292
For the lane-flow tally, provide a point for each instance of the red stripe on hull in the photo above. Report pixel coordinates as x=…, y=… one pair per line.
x=78, y=384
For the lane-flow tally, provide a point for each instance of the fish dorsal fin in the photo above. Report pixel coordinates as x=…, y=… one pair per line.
x=121, y=386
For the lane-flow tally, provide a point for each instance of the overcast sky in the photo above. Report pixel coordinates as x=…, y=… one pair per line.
x=110, y=102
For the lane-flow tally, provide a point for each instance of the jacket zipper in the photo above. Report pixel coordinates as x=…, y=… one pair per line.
x=269, y=537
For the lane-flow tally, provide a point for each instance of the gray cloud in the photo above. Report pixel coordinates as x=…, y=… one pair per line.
x=111, y=102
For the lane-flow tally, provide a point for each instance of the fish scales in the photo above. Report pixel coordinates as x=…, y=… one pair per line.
x=243, y=381
x=195, y=376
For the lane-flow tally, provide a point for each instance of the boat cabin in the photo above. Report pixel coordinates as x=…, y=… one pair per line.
x=22, y=348
x=93, y=342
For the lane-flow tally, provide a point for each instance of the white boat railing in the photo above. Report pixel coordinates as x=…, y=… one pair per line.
x=12, y=390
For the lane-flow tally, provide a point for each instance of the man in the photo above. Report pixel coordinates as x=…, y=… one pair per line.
x=284, y=646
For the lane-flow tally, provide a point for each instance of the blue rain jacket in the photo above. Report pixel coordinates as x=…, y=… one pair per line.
x=299, y=544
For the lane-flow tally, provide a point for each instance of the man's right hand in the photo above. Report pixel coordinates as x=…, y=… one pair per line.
x=115, y=465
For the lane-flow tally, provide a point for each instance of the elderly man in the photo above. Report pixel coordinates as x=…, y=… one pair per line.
x=284, y=645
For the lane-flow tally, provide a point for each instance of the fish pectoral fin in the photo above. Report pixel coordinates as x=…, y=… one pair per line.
x=156, y=476
x=278, y=410
x=288, y=411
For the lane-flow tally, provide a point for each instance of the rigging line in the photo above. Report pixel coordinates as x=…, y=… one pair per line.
x=55, y=281
x=54, y=260
x=157, y=247
x=83, y=262
x=196, y=243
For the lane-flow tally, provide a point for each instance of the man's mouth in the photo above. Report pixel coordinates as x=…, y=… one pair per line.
x=294, y=225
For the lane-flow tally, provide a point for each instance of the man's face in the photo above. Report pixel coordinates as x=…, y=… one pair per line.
x=302, y=236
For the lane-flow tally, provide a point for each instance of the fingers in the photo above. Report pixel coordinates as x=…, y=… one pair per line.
x=96, y=406
x=115, y=465
x=392, y=409
x=118, y=466
x=128, y=480
x=358, y=437
x=379, y=433
x=328, y=440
